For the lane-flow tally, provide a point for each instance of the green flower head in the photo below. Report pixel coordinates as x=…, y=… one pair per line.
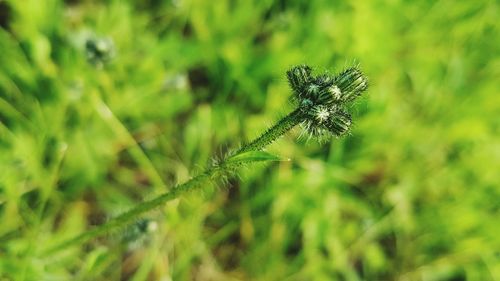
x=323, y=99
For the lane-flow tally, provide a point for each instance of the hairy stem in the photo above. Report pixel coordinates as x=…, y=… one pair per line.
x=280, y=128
x=276, y=131
x=135, y=212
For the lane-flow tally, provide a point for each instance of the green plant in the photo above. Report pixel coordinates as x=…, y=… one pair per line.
x=320, y=108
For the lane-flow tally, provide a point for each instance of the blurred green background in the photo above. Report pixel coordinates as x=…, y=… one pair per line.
x=104, y=103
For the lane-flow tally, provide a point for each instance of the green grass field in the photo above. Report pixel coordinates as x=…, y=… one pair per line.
x=104, y=104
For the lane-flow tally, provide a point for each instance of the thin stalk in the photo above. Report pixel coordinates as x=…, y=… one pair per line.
x=273, y=133
x=135, y=212
x=276, y=131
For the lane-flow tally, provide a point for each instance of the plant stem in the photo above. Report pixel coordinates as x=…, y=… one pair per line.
x=280, y=128
x=134, y=213
x=276, y=131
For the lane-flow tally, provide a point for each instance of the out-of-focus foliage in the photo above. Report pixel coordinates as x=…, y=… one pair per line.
x=104, y=103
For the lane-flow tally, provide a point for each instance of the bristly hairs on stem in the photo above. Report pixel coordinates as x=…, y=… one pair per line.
x=321, y=108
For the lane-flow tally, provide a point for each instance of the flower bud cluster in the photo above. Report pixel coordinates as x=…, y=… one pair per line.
x=323, y=99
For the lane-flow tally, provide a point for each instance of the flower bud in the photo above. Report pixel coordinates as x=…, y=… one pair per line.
x=339, y=123
x=299, y=78
x=351, y=83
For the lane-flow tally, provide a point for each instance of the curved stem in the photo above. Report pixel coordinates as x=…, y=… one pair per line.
x=280, y=128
